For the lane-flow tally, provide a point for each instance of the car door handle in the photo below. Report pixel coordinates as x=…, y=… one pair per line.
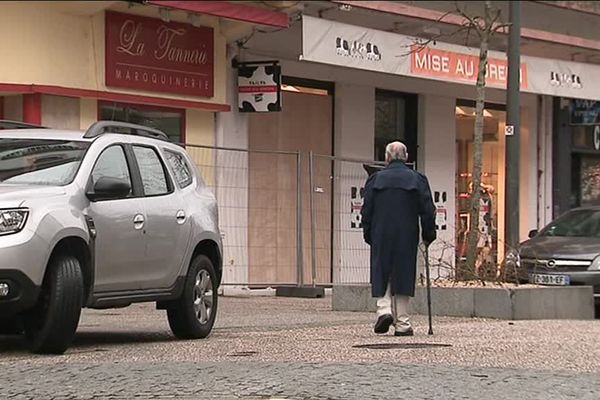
x=138, y=221
x=180, y=217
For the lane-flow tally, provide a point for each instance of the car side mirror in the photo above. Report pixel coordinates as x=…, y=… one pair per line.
x=109, y=189
x=533, y=233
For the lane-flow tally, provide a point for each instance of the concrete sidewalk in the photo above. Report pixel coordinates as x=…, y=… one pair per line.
x=306, y=330
x=281, y=348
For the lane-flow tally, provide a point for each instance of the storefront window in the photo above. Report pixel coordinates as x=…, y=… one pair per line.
x=395, y=119
x=586, y=180
x=491, y=209
x=170, y=121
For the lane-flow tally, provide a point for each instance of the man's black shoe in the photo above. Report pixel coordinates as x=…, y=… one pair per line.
x=409, y=332
x=383, y=323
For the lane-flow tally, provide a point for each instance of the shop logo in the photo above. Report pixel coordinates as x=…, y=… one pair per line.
x=356, y=49
x=566, y=80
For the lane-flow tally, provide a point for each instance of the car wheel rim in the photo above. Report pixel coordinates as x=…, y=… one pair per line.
x=203, y=296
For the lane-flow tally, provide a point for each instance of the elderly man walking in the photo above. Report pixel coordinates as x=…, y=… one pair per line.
x=394, y=200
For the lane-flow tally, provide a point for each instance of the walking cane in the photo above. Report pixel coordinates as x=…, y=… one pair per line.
x=428, y=289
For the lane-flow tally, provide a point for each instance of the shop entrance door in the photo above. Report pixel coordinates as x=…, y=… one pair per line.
x=304, y=125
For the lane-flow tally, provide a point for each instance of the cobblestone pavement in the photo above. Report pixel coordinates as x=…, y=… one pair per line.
x=275, y=348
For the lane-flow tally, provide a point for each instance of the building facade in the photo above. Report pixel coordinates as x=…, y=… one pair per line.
x=342, y=79
x=68, y=64
x=349, y=87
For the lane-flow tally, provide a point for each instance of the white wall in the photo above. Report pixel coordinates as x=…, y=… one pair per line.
x=544, y=149
x=438, y=151
x=528, y=182
x=232, y=184
x=354, y=120
x=354, y=139
x=60, y=112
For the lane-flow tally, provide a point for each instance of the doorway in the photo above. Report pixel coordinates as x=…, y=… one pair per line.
x=305, y=124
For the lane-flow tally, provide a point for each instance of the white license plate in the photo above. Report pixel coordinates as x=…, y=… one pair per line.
x=545, y=279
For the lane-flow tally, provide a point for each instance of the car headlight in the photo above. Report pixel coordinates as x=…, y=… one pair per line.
x=12, y=220
x=595, y=266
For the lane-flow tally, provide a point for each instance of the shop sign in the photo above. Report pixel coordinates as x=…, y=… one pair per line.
x=584, y=112
x=151, y=55
x=457, y=67
x=358, y=47
x=259, y=87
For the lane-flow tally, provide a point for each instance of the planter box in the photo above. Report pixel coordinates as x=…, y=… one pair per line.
x=571, y=302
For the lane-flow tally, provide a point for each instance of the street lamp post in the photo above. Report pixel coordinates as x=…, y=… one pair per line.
x=513, y=121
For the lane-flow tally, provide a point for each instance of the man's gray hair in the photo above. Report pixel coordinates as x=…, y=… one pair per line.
x=396, y=151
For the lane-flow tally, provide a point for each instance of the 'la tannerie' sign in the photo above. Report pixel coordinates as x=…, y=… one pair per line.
x=149, y=54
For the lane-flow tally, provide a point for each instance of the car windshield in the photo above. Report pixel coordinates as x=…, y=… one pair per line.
x=577, y=223
x=40, y=161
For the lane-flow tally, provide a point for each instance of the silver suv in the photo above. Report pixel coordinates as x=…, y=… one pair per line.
x=102, y=219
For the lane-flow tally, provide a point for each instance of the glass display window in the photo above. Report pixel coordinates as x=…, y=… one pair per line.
x=491, y=210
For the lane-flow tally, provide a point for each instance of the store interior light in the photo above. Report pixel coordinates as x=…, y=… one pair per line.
x=304, y=90
x=289, y=88
x=459, y=111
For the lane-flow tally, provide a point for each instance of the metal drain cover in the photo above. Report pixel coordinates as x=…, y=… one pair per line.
x=389, y=346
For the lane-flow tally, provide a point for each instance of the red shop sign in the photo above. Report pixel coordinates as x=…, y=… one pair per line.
x=149, y=54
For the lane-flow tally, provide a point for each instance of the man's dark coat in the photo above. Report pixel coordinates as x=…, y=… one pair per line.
x=394, y=199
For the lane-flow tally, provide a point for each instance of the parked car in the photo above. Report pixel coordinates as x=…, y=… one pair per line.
x=566, y=252
x=102, y=219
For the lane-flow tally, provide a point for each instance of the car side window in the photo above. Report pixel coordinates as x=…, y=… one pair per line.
x=181, y=169
x=154, y=177
x=112, y=163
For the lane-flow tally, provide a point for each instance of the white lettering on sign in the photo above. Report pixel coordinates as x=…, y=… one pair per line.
x=465, y=68
x=128, y=38
x=597, y=137
x=433, y=62
x=174, y=53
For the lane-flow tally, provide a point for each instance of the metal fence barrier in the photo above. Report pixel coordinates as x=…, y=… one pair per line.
x=287, y=218
x=257, y=195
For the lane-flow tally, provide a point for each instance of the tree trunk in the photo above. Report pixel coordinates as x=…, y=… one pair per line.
x=474, y=207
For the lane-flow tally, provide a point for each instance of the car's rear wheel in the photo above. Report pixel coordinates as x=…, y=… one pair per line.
x=193, y=315
x=51, y=325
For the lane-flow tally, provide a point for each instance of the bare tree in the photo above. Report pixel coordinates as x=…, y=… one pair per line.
x=483, y=27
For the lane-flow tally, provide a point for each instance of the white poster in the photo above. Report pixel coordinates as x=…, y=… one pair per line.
x=352, y=46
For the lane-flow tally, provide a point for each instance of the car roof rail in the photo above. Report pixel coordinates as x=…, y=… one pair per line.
x=7, y=124
x=101, y=127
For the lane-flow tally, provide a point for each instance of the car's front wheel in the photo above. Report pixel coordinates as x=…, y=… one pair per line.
x=51, y=325
x=192, y=316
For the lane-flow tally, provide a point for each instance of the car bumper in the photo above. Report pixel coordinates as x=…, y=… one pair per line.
x=22, y=293
x=576, y=278
x=22, y=264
